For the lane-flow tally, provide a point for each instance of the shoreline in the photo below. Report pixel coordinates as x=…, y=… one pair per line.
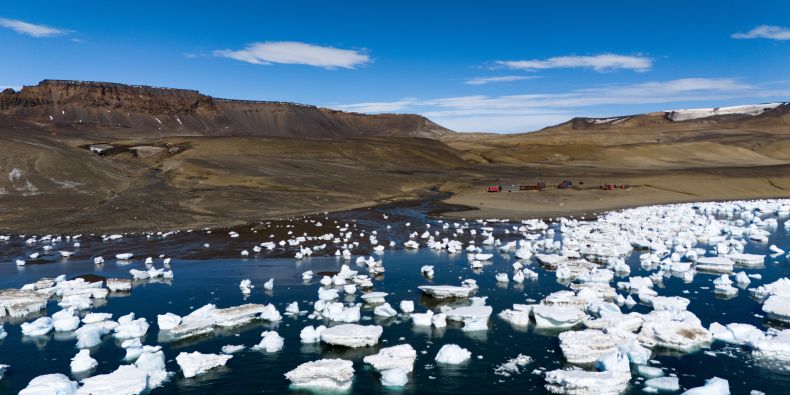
x=434, y=206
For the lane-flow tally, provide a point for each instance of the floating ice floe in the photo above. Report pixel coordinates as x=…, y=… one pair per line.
x=39, y=327
x=130, y=328
x=352, y=335
x=384, y=310
x=452, y=354
x=195, y=363
x=270, y=342
x=713, y=386
x=19, y=303
x=778, y=308
x=246, y=286
x=206, y=318
x=397, y=357
x=513, y=365
x=119, y=284
x=446, y=291
x=48, y=384
x=557, y=317
x=82, y=362
x=680, y=332
x=586, y=346
x=232, y=348
x=324, y=374
x=310, y=334
x=65, y=320
x=585, y=382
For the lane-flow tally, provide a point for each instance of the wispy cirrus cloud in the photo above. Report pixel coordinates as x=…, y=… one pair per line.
x=503, y=78
x=293, y=52
x=765, y=31
x=532, y=111
x=600, y=63
x=32, y=29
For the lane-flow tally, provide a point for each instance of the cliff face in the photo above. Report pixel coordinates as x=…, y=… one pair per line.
x=163, y=111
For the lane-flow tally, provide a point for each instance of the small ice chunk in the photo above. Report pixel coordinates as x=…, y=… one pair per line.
x=195, y=363
x=246, y=286
x=384, y=310
x=670, y=384
x=82, y=362
x=271, y=342
x=452, y=354
x=398, y=357
x=65, y=321
x=407, y=306
x=310, y=334
x=394, y=378
x=168, y=321
x=713, y=386
x=39, y=327
x=232, y=349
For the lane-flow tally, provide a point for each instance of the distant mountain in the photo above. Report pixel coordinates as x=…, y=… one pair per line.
x=734, y=116
x=145, y=110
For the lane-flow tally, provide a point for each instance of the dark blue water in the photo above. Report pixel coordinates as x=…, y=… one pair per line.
x=198, y=282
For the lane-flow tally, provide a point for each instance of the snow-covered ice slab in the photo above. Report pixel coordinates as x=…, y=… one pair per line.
x=685, y=336
x=586, y=346
x=778, y=308
x=584, y=382
x=324, y=374
x=195, y=363
x=713, y=386
x=557, y=317
x=774, y=345
x=352, y=335
x=446, y=291
x=19, y=303
x=119, y=284
x=452, y=354
x=715, y=264
x=470, y=313
x=127, y=380
x=398, y=357
x=50, y=384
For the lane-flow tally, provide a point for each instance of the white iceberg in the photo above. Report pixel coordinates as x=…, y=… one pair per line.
x=324, y=374
x=352, y=335
x=398, y=357
x=195, y=363
x=271, y=342
x=713, y=386
x=39, y=327
x=50, y=384
x=452, y=354
x=82, y=362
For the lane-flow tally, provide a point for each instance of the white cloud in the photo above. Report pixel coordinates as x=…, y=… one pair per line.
x=14, y=87
x=602, y=62
x=292, y=52
x=765, y=31
x=532, y=111
x=31, y=29
x=504, y=78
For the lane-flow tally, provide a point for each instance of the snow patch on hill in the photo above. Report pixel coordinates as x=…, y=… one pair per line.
x=696, y=113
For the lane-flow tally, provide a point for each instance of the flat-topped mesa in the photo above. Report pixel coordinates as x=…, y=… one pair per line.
x=170, y=111
x=112, y=96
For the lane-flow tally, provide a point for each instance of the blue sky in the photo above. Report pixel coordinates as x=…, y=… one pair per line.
x=499, y=66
